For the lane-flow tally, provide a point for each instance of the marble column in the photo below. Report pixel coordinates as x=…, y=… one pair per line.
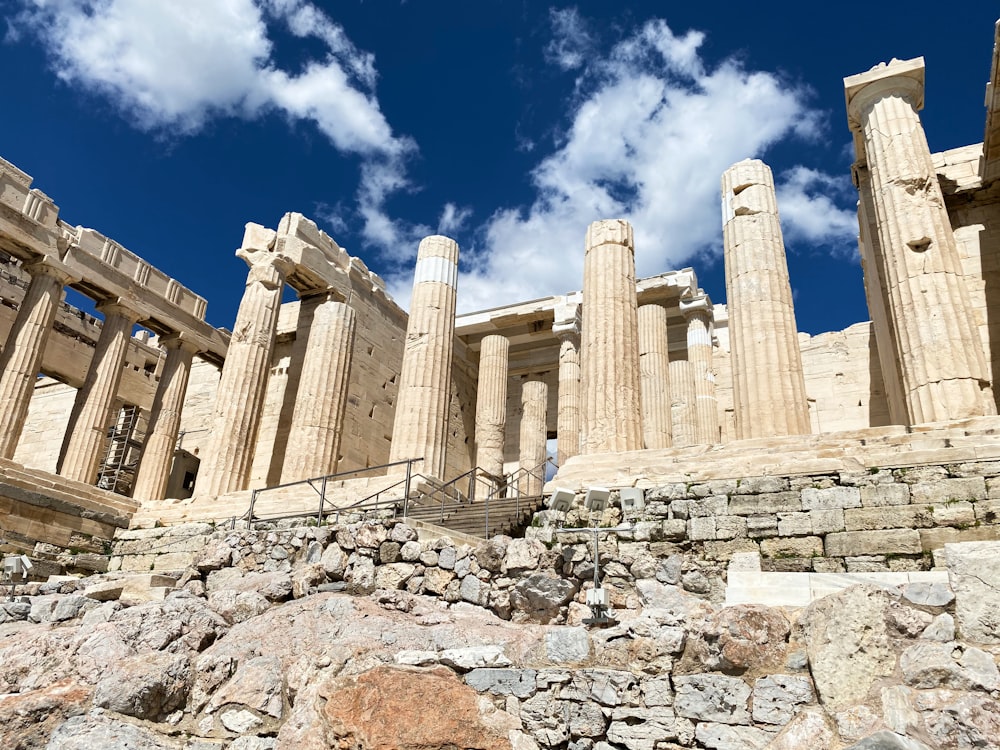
x=491, y=404
x=321, y=399
x=87, y=433
x=243, y=383
x=533, y=436
x=567, y=327
x=654, y=377
x=872, y=264
x=164, y=420
x=683, y=408
x=768, y=385
x=609, y=350
x=698, y=313
x=942, y=363
x=21, y=358
x=420, y=425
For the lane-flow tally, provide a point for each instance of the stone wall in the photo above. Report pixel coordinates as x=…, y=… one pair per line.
x=250, y=640
x=891, y=519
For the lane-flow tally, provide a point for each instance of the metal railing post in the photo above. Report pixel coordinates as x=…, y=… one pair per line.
x=406, y=488
x=253, y=501
x=322, y=502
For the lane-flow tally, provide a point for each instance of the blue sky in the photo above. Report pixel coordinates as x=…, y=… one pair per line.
x=506, y=125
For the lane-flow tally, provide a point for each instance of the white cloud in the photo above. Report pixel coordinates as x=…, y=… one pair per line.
x=652, y=130
x=571, y=43
x=453, y=219
x=809, y=213
x=170, y=67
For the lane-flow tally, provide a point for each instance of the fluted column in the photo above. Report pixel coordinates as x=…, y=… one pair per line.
x=87, y=433
x=243, y=383
x=22, y=353
x=942, y=364
x=567, y=327
x=683, y=409
x=491, y=404
x=698, y=313
x=654, y=377
x=769, y=388
x=533, y=435
x=872, y=266
x=609, y=352
x=165, y=420
x=321, y=400
x=420, y=425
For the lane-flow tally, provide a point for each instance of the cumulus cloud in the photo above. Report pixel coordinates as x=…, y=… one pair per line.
x=170, y=67
x=810, y=214
x=651, y=130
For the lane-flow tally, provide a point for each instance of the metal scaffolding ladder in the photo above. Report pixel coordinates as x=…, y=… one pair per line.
x=124, y=446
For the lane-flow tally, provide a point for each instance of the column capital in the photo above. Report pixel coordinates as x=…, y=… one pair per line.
x=567, y=320
x=49, y=267
x=179, y=340
x=118, y=306
x=610, y=232
x=900, y=77
x=697, y=307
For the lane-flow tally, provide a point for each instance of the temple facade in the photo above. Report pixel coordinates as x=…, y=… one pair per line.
x=151, y=402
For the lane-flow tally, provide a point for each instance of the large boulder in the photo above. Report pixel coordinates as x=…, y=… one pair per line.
x=974, y=571
x=847, y=641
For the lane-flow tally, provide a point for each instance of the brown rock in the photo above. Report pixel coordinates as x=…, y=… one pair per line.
x=409, y=709
x=28, y=719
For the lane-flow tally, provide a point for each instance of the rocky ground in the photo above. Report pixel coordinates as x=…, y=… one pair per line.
x=364, y=637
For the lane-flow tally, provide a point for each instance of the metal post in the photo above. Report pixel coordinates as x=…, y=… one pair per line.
x=406, y=495
x=322, y=502
x=253, y=501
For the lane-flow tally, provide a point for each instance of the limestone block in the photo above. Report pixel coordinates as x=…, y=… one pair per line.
x=974, y=571
x=809, y=546
x=730, y=527
x=936, y=538
x=888, y=517
x=831, y=498
x=776, y=697
x=768, y=502
x=848, y=644
x=827, y=521
x=954, y=513
x=701, y=528
x=852, y=543
x=948, y=490
x=761, y=526
x=794, y=524
x=885, y=494
x=711, y=697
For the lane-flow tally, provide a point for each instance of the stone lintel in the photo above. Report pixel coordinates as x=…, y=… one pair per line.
x=904, y=76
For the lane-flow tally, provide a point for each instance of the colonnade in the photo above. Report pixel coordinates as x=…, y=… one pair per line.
x=85, y=440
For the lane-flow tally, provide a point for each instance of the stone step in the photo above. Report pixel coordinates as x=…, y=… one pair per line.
x=85, y=495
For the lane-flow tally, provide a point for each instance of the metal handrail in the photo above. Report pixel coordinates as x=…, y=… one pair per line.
x=506, y=488
x=324, y=481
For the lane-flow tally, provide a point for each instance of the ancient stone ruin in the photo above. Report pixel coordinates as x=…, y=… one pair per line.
x=337, y=524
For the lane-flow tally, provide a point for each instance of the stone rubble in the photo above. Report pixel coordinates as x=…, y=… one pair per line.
x=252, y=648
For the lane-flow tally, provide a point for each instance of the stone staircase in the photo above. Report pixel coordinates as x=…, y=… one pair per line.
x=36, y=505
x=506, y=515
